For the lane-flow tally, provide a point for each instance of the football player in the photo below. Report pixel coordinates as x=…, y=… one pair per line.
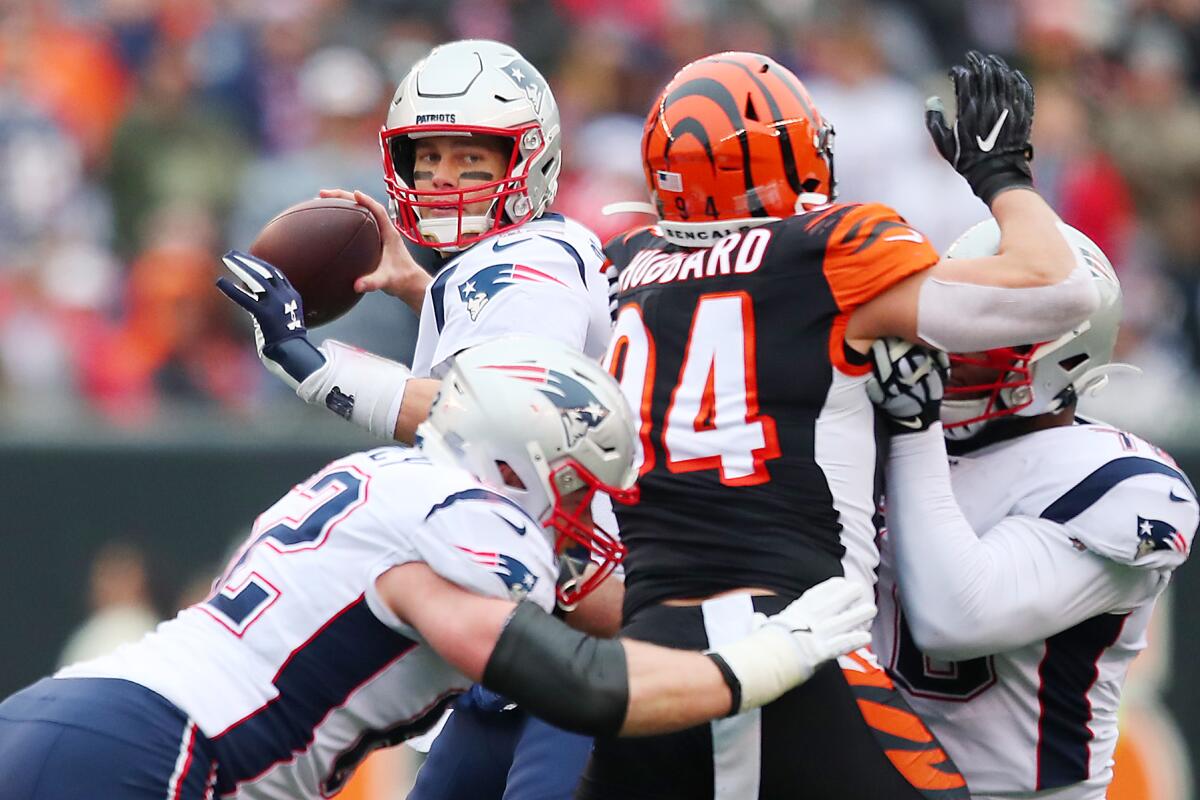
x=471, y=156
x=374, y=592
x=1018, y=582
x=745, y=319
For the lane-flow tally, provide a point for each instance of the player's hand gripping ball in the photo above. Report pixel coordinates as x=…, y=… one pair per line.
x=322, y=246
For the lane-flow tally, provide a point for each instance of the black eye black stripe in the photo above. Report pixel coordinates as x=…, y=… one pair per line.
x=716, y=92
x=785, y=141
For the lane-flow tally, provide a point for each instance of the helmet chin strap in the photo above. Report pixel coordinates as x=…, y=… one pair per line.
x=444, y=229
x=957, y=410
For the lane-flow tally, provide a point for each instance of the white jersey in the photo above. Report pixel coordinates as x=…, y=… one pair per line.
x=1097, y=519
x=294, y=668
x=544, y=278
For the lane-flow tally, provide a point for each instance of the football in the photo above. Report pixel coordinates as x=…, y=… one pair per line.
x=322, y=246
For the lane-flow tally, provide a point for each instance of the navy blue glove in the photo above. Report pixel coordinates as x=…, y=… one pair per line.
x=278, y=314
x=907, y=383
x=989, y=141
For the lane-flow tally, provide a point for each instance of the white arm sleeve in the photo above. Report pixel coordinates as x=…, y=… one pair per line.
x=967, y=595
x=967, y=317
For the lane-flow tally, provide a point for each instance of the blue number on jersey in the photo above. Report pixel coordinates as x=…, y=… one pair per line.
x=332, y=495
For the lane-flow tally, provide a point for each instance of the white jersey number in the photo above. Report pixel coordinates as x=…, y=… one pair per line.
x=712, y=420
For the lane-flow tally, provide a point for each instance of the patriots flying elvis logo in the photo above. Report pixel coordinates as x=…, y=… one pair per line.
x=527, y=80
x=579, y=409
x=1154, y=534
x=478, y=290
x=516, y=576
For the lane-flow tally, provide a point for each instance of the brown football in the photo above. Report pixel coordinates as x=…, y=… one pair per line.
x=322, y=246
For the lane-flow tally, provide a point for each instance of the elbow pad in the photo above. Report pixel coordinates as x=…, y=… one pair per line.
x=967, y=317
x=569, y=679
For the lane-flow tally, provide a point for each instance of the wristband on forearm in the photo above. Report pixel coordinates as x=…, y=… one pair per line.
x=763, y=665
x=731, y=680
x=361, y=387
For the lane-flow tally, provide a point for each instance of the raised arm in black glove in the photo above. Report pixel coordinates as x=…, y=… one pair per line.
x=989, y=142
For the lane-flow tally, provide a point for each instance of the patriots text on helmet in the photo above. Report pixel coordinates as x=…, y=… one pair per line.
x=735, y=254
x=425, y=119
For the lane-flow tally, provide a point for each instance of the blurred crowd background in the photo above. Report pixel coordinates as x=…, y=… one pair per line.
x=141, y=138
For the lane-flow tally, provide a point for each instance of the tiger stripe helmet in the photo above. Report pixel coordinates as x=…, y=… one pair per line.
x=734, y=141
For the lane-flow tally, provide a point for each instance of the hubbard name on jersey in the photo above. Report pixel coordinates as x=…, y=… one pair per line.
x=542, y=278
x=757, y=438
x=1031, y=716
x=293, y=668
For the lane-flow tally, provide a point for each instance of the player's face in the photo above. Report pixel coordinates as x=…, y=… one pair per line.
x=963, y=373
x=459, y=162
x=577, y=503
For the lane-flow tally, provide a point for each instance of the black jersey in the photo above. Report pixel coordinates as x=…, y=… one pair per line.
x=756, y=437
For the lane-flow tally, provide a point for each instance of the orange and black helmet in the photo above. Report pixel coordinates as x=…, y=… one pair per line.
x=733, y=141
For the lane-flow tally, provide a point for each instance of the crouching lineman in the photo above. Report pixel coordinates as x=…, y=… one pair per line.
x=373, y=593
x=1018, y=582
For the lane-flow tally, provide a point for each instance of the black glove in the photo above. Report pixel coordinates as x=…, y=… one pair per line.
x=989, y=143
x=907, y=383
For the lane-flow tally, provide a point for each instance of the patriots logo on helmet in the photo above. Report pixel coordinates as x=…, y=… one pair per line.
x=528, y=80
x=478, y=290
x=579, y=408
x=517, y=577
x=1154, y=534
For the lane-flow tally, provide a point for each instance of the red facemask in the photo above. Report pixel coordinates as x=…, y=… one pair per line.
x=398, y=159
x=1010, y=365
x=604, y=549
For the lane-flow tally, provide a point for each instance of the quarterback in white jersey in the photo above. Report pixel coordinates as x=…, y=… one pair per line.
x=1011, y=624
x=471, y=157
x=377, y=590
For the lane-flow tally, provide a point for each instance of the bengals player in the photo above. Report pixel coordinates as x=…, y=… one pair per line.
x=743, y=320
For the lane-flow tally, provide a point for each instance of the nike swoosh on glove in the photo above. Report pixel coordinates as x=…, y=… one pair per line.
x=907, y=384
x=989, y=141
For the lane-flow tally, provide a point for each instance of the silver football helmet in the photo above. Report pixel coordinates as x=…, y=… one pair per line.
x=474, y=86
x=540, y=422
x=1043, y=377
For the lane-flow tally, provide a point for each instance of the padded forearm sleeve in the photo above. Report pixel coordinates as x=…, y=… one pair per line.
x=567, y=678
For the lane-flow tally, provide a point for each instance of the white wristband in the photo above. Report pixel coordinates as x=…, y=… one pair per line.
x=362, y=387
x=767, y=665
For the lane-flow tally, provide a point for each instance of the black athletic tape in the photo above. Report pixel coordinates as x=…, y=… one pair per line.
x=735, y=686
x=567, y=678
